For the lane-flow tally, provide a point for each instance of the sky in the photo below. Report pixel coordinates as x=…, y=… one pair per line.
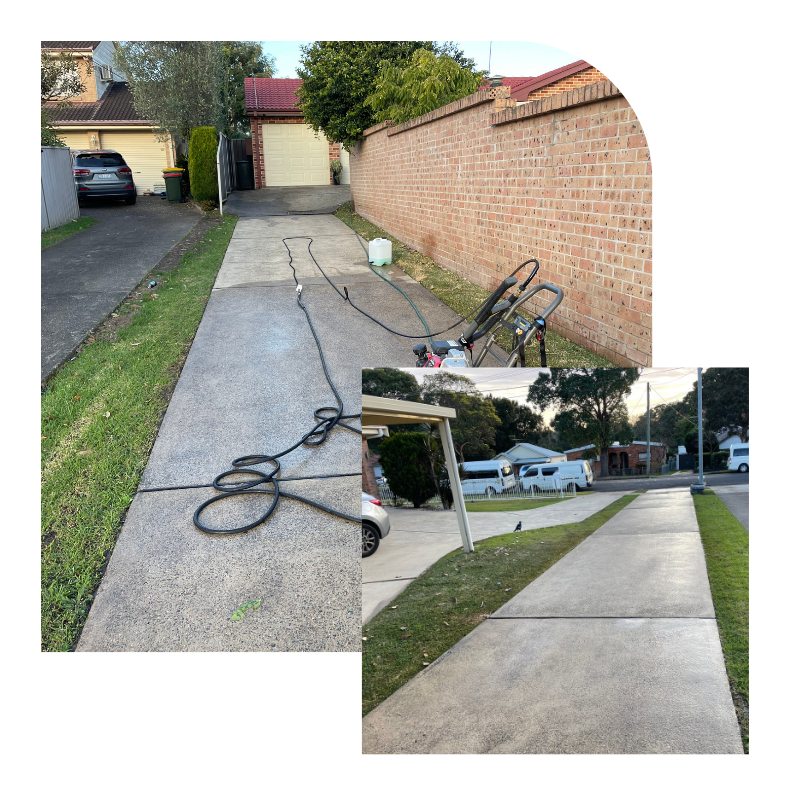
x=507, y=58
x=666, y=385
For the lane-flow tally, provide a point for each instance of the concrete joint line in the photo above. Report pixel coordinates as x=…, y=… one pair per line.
x=389, y=580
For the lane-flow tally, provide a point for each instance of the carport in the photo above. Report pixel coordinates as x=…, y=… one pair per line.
x=381, y=411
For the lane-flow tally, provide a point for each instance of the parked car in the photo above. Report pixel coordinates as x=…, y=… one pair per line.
x=536, y=477
x=488, y=477
x=375, y=524
x=103, y=173
x=739, y=459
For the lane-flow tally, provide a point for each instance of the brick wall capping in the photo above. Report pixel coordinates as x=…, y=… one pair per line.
x=387, y=123
x=476, y=99
x=579, y=96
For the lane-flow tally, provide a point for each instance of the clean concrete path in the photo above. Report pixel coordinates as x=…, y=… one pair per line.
x=737, y=499
x=614, y=649
x=85, y=277
x=419, y=538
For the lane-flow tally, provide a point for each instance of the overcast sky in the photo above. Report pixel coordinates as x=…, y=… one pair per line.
x=667, y=384
x=507, y=58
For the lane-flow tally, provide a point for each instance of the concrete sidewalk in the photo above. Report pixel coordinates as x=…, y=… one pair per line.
x=737, y=499
x=614, y=649
x=419, y=538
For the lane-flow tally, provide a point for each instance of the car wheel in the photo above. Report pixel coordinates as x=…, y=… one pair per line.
x=742, y=467
x=571, y=487
x=370, y=539
x=490, y=492
x=129, y=201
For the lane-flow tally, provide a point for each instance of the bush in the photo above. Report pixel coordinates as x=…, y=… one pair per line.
x=203, y=163
x=406, y=464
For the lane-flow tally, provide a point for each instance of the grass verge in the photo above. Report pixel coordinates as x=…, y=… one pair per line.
x=463, y=296
x=511, y=505
x=63, y=231
x=455, y=595
x=726, y=545
x=100, y=416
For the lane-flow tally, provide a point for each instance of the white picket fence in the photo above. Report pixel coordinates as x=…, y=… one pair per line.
x=59, y=197
x=486, y=491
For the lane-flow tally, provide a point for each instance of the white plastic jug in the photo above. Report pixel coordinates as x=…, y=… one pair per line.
x=380, y=252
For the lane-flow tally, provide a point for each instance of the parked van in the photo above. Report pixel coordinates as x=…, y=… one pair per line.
x=739, y=459
x=488, y=477
x=540, y=476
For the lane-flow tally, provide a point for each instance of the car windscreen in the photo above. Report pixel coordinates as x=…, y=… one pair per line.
x=99, y=160
x=483, y=474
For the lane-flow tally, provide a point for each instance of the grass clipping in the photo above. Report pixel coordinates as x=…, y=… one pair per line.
x=455, y=595
x=464, y=297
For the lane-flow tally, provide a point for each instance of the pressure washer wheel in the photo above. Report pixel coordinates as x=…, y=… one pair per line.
x=370, y=539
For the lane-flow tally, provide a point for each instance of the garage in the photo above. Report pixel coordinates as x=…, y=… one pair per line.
x=295, y=156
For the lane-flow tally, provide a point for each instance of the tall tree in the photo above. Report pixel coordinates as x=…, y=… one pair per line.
x=241, y=60
x=176, y=85
x=726, y=400
x=590, y=404
x=389, y=382
x=517, y=423
x=338, y=77
x=427, y=83
x=61, y=81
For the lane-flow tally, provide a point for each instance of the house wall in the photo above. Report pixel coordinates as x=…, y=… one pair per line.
x=482, y=185
x=583, y=78
x=368, y=482
x=658, y=456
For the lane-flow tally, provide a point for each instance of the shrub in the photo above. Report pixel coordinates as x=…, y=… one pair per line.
x=203, y=163
x=406, y=464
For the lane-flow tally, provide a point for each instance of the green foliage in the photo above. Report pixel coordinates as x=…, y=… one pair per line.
x=50, y=137
x=242, y=59
x=427, y=83
x=591, y=405
x=517, y=423
x=177, y=85
x=203, y=163
x=405, y=462
x=726, y=399
x=389, y=382
x=61, y=81
x=241, y=612
x=336, y=167
x=338, y=77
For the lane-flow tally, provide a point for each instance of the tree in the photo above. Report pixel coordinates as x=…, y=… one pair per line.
x=667, y=423
x=389, y=382
x=241, y=60
x=338, y=77
x=591, y=405
x=427, y=83
x=203, y=164
x=178, y=86
x=405, y=460
x=517, y=423
x=61, y=81
x=726, y=400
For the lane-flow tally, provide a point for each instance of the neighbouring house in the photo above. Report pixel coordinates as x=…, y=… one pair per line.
x=624, y=458
x=103, y=117
x=727, y=437
x=522, y=454
x=286, y=151
x=578, y=73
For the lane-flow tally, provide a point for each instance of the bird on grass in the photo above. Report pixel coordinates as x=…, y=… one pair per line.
x=519, y=526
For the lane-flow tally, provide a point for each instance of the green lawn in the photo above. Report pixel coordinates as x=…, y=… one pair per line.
x=511, y=505
x=100, y=416
x=455, y=595
x=57, y=234
x=463, y=297
x=726, y=545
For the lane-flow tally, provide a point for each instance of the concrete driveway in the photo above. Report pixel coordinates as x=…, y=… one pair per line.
x=419, y=538
x=85, y=277
x=737, y=499
x=287, y=200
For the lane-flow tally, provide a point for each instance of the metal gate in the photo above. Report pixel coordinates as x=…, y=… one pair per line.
x=59, y=197
x=225, y=169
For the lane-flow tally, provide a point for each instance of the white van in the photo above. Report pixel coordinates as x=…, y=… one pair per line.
x=540, y=476
x=488, y=477
x=739, y=459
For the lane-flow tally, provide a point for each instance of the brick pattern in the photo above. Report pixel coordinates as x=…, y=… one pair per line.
x=566, y=179
x=583, y=78
x=658, y=456
x=368, y=482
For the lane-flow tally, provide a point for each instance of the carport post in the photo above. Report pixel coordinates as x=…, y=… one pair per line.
x=455, y=485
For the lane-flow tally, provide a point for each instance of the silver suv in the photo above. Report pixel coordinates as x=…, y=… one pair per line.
x=103, y=173
x=375, y=524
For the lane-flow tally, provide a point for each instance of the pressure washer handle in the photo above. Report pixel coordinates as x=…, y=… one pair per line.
x=556, y=302
x=486, y=309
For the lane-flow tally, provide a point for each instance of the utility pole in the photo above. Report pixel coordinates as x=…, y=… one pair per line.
x=699, y=487
x=648, y=429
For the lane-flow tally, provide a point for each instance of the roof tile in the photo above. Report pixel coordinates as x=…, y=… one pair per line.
x=115, y=105
x=271, y=94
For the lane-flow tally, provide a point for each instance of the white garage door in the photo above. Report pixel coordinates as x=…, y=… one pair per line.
x=143, y=153
x=295, y=156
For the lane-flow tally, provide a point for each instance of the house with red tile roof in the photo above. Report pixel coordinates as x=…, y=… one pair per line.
x=103, y=117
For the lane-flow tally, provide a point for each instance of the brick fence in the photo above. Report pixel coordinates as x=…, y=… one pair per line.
x=484, y=183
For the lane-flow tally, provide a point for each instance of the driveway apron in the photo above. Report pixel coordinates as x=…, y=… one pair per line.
x=85, y=277
x=737, y=499
x=614, y=649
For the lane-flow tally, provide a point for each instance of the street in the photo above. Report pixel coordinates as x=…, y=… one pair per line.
x=670, y=482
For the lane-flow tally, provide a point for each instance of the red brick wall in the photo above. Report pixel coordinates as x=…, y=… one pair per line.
x=658, y=456
x=482, y=185
x=587, y=76
x=368, y=482
x=258, y=145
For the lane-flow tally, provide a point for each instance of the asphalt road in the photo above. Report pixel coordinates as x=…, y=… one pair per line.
x=670, y=482
x=85, y=277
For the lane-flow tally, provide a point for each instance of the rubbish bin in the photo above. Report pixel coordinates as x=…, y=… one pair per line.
x=173, y=182
x=244, y=175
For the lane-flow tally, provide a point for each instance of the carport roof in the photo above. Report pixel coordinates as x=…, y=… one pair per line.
x=382, y=411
